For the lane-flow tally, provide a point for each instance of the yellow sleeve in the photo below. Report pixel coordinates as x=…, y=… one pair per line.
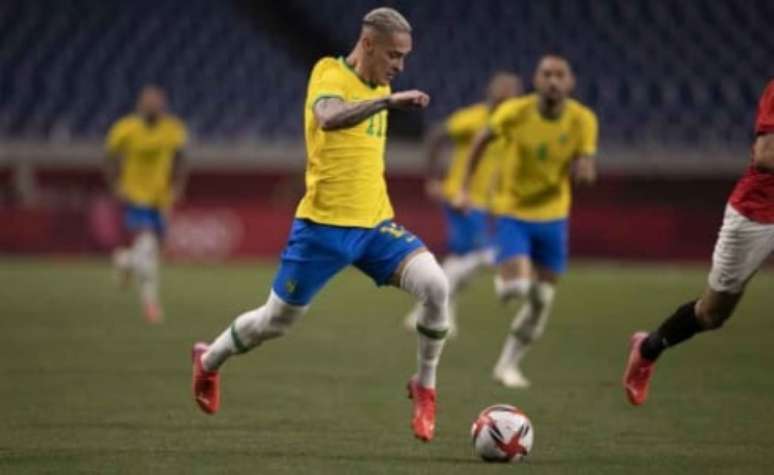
x=331, y=82
x=589, y=133
x=460, y=125
x=117, y=137
x=505, y=116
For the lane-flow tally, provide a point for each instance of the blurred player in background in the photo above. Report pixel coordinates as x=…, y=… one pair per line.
x=345, y=217
x=146, y=171
x=549, y=135
x=469, y=239
x=745, y=240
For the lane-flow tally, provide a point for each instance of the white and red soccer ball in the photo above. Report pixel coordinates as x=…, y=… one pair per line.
x=502, y=433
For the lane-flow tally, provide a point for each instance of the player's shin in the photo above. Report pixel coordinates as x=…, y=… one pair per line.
x=460, y=269
x=528, y=325
x=512, y=289
x=424, y=278
x=145, y=262
x=252, y=328
x=680, y=326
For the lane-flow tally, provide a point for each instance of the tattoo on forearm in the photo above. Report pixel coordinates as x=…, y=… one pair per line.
x=334, y=113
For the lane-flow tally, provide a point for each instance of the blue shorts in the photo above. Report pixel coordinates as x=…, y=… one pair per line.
x=544, y=242
x=316, y=252
x=467, y=232
x=141, y=218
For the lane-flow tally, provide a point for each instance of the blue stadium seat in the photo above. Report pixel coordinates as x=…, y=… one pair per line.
x=670, y=71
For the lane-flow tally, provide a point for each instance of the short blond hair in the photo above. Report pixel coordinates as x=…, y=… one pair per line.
x=386, y=20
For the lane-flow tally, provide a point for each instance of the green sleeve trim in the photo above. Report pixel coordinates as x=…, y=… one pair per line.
x=432, y=334
x=349, y=66
x=325, y=96
x=240, y=347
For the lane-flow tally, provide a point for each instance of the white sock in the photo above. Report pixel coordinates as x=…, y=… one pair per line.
x=459, y=270
x=513, y=351
x=122, y=258
x=252, y=328
x=145, y=262
x=424, y=278
x=529, y=324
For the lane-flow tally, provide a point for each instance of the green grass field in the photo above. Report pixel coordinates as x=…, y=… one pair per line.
x=87, y=386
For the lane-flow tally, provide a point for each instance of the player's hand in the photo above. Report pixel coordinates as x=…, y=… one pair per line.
x=585, y=172
x=434, y=189
x=177, y=193
x=406, y=100
x=461, y=202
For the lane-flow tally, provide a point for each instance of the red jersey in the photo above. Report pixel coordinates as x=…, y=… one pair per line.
x=753, y=196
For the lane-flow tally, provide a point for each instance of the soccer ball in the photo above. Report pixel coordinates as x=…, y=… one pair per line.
x=502, y=433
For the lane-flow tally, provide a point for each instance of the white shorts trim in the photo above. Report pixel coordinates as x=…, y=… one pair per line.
x=742, y=247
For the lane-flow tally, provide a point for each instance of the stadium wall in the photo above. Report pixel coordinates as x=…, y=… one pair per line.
x=246, y=212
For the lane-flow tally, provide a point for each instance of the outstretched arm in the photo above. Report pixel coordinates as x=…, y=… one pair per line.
x=480, y=143
x=179, y=175
x=763, y=153
x=435, y=141
x=111, y=171
x=334, y=113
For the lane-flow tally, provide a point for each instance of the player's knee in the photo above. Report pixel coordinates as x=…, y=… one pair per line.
x=425, y=279
x=542, y=295
x=437, y=289
x=531, y=326
x=712, y=319
x=280, y=316
x=507, y=289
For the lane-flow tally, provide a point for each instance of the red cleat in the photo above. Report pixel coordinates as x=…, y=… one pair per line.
x=153, y=313
x=206, y=384
x=423, y=418
x=638, y=371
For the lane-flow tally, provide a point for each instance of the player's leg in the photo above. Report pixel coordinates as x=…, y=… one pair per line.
x=397, y=257
x=512, y=258
x=548, y=242
x=308, y=262
x=469, y=251
x=740, y=250
x=147, y=227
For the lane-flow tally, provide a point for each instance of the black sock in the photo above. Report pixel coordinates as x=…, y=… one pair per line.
x=682, y=325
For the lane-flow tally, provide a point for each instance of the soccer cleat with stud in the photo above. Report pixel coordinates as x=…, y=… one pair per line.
x=206, y=384
x=153, y=312
x=510, y=377
x=423, y=412
x=639, y=371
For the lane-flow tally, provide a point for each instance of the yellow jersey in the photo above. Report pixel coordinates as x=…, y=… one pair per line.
x=345, y=183
x=148, y=153
x=462, y=126
x=535, y=176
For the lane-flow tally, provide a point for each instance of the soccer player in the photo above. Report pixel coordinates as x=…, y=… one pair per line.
x=468, y=233
x=345, y=218
x=548, y=135
x=745, y=240
x=146, y=171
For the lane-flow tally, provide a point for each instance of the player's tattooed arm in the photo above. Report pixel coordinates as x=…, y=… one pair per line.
x=586, y=170
x=333, y=113
x=480, y=143
x=763, y=153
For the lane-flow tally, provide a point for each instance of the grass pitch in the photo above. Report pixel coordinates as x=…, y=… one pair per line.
x=88, y=387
